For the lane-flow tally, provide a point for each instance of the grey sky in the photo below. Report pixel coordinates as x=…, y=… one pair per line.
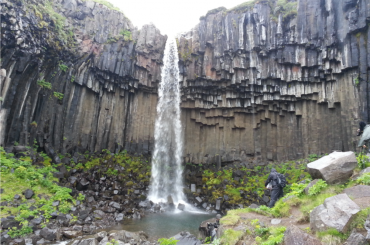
x=171, y=17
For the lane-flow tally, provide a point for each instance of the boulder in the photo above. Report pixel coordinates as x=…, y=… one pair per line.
x=360, y=194
x=334, y=168
x=366, y=170
x=356, y=239
x=88, y=241
x=119, y=217
x=336, y=212
x=275, y=221
x=28, y=193
x=367, y=227
x=312, y=183
x=48, y=234
x=181, y=206
x=295, y=236
x=185, y=238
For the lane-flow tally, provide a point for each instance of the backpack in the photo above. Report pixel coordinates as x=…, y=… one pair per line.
x=281, y=180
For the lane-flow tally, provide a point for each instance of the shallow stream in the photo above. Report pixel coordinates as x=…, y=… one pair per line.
x=165, y=224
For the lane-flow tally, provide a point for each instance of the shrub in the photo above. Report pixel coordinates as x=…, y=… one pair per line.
x=126, y=35
x=316, y=188
x=44, y=84
x=231, y=237
x=364, y=179
x=58, y=95
x=63, y=67
x=34, y=124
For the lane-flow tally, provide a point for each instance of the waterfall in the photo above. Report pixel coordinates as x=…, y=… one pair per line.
x=168, y=143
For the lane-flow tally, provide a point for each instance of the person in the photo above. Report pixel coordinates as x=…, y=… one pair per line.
x=276, y=190
x=364, y=132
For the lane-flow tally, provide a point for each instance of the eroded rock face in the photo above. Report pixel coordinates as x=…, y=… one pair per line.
x=295, y=236
x=334, y=168
x=336, y=212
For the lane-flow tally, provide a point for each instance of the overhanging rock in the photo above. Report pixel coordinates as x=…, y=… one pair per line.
x=334, y=168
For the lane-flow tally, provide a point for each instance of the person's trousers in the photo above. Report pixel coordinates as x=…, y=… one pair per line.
x=275, y=195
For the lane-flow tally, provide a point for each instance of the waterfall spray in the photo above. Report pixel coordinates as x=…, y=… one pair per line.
x=168, y=143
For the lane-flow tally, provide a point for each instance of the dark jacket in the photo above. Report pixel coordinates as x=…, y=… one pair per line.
x=272, y=177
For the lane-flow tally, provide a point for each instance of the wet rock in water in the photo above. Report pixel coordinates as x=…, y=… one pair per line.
x=157, y=207
x=71, y=234
x=136, y=215
x=334, y=168
x=49, y=234
x=198, y=200
x=185, y=238
x=28, y=194
x=336, y=212
x=356, y=239
x=181, y=206
x=120, y=217
x=295, y=236
x=144, y=204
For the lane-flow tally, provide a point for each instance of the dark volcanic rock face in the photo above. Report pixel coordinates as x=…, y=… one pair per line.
x=260, y=86
x=105, y=70
x=256, y=85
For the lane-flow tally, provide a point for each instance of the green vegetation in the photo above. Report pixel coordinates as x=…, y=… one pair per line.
x=127, y=36
x=316, y=188
x=253, y=180
x=72, y=79
x=231, y=237
x=165, y=241
x=357, y=81
x=362, y=161
x=216, y=10
x=332, y=236
x=286, y=8
x=270, y=235
x=38, y=179
x=63, y=67
x=112, y=242
x=107, y=4
x=34, y=124
x=58, y=95
x=364, y=179
x=44, y=84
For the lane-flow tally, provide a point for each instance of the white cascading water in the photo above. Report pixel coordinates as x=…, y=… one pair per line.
x=168, y=143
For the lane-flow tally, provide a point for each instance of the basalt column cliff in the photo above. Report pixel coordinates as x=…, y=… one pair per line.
x=263, y=81
x=77, y=76
x=275, y=81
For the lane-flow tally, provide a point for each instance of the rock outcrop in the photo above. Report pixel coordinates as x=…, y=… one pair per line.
x=337, y=212
x=334, y=168
x=295, y=236
x=256, y=82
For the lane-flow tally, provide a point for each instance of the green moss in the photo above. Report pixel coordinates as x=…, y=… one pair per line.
x=231, y=237
x=332, y=236
x=215, y=11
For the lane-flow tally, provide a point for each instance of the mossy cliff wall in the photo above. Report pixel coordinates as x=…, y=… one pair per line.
x=257, y=85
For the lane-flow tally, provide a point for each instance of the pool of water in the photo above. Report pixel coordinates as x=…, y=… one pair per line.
x=165, y=224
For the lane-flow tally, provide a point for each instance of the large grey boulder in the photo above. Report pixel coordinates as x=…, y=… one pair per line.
x=336, y=212
x=360, y=194
x=334, y=168
x=367, y=227
x=356, y=239
x=295, y=236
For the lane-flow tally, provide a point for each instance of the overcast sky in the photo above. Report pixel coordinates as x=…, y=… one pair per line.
x=170, y=16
